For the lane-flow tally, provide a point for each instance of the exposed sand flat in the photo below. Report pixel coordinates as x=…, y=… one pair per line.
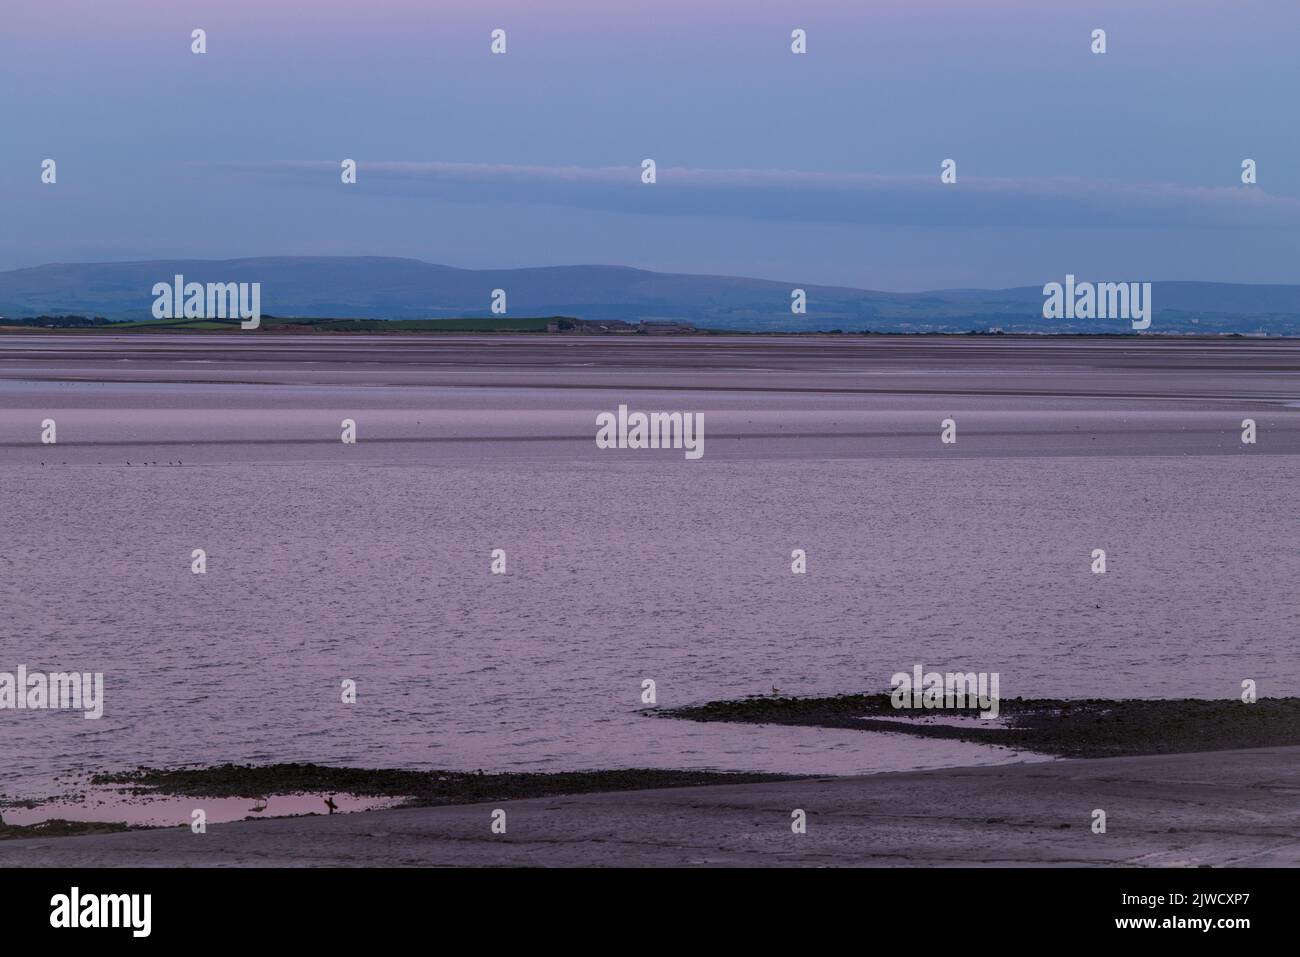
x=1213, y=808
x=989, y=366
x=214, y=399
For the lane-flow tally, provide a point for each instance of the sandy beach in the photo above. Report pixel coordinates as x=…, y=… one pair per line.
x=1225, y=808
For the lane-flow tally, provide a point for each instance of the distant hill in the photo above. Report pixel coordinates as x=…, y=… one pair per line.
x=386, y=288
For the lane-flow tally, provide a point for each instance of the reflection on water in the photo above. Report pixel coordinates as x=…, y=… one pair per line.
x=117, y=805
x=618, y=571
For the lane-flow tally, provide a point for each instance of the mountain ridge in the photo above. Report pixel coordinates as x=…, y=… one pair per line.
x=387, y=287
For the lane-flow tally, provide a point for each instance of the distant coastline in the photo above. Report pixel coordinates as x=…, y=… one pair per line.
x=526, y=325
x=336, y=289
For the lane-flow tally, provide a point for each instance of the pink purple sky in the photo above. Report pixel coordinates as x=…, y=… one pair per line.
x=819, y=168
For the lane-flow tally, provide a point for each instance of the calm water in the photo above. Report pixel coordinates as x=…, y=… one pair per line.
x=372, y=563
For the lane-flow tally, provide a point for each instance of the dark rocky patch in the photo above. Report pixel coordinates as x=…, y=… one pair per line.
x=59, y=828
x=1086, y=728
x=420, y=788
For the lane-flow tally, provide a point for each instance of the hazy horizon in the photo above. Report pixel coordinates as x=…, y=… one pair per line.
x=489, y=267
x=821, y=168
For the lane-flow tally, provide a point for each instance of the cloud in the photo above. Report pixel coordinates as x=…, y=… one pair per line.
x=816, y=197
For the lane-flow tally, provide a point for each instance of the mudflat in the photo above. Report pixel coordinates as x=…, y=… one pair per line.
x=1219, y=808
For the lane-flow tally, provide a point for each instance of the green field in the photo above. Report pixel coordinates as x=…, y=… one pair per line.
x=276, y=324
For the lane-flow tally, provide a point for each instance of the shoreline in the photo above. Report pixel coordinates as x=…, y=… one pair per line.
x=152, y=798
x=1208, y=808
x=1033, y=730
x=374, y=328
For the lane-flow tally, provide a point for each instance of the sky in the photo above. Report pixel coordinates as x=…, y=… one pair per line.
x=815, y=168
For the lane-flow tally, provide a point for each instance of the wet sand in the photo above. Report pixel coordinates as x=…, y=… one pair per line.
x=1156, y=367
x=474, y=399
x=1222, y=808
